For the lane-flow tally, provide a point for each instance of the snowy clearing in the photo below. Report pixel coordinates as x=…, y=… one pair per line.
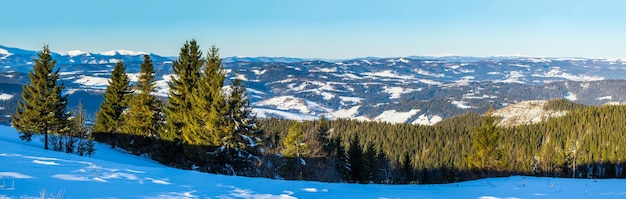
x=394, y=116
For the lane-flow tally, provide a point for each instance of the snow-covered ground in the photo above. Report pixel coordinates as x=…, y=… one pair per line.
x=26, y=170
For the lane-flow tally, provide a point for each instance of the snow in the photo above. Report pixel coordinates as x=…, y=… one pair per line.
x=74, y=53
x=571, y=96
x=350, y=100
x=293, y=103
x=241, y=77
x=394, y=116
x=267, y=113
x=605, y=98
x=345, y=113
x=4, y=52
x=512, y=77
x=396, y=92
x=4, y=96
x=556, y=72
x=388, y=74
x=526, y=112
x=258, y=72
x=112, y=174
x=92, y=81
x=324, y=70
x=461, y=104
x=424, y=120
x=122, y=52
x=428, y=73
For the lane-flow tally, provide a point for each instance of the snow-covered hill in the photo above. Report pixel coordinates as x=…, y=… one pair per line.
x=27, y=171
x=418, y=89
x=526, y=112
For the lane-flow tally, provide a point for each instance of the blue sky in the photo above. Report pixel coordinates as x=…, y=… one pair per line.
x=322, y=28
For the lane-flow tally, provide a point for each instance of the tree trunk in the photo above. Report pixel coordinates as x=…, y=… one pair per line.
x=45, y=142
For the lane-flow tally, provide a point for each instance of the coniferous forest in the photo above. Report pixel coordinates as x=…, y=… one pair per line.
x=203, y=127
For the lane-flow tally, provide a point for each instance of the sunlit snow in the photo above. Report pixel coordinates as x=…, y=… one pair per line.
x=4, y=96
x=394, y=116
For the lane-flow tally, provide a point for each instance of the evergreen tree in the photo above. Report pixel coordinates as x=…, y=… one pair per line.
x=338, y=155
x=407, y=170
x=43, y=109
x=370, y=163
x=294, y=144
x=182, y=120
x=487, y=154
x=243, y=142
x=143, y=115
x=355, y=160
x=108, y=118
x=210, y=102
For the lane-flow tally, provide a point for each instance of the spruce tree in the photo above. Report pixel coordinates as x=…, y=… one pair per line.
x=407, y=169
x=370, y=163
x=182, y=120
x=143, y=115
x=355, y=160
x=108, y=118
x=339, y=156
x=294, y=144
x=210, y=103
x=43, y=108
x=487, y=154
x=243, y=140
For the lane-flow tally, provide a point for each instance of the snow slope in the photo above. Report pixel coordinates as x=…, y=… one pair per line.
x=26, y=170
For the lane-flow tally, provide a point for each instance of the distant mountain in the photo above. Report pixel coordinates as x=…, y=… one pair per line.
x=416, y=89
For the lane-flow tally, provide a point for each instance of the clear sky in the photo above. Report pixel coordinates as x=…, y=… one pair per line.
x=322, y=28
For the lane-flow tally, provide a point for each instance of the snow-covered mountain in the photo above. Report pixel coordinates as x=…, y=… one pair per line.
x=417, y=89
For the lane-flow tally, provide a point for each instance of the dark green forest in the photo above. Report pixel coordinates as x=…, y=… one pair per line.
x=200, y=127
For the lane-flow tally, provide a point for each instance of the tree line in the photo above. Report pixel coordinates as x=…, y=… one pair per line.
x=206, y=126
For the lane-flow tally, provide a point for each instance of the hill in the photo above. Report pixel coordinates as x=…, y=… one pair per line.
x=27, y=171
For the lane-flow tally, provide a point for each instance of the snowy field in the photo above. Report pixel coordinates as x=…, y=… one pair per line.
x=26, y=170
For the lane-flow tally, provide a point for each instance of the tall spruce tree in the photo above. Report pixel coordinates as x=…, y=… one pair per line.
x=210, y=101
x=143, y=115
x=182, y=120
x=43, y=109
x=108, y=118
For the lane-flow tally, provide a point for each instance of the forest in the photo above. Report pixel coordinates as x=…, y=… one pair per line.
x=202, y=127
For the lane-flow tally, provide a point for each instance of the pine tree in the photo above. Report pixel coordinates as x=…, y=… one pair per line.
x=182, y=120
x=143, y=115
x=43, y=109
x=108, y=118
x=355, y=160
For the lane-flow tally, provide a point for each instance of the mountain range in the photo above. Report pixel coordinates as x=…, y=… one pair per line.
x=416, y=89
